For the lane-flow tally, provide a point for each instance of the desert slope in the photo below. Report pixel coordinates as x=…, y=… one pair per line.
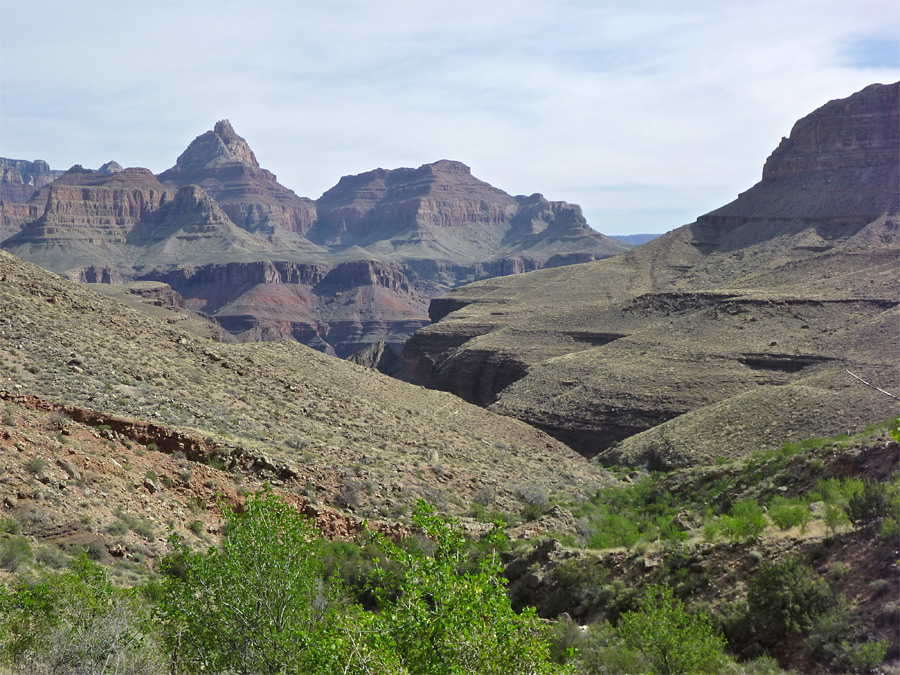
x=735, y=331
x=352, y=436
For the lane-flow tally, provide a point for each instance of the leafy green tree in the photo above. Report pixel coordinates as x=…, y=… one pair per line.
x=672, y=640
x=257, y=603
x=440, y=620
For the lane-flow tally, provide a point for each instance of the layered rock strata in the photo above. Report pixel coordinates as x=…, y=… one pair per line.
x=20, y=179
x=223, y=164
x=355, y=268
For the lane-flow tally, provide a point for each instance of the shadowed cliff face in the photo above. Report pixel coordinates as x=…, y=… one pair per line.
x=727, y=335
x=356, y=268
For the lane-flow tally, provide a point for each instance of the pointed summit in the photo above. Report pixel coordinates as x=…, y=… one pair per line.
x=216, y=148
x=222, y=163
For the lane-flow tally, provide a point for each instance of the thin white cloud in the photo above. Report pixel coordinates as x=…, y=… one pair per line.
x=567, y=98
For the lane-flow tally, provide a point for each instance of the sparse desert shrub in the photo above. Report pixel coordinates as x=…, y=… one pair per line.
x=36, y=465
x=117, y=528
x=829, y=631
x=535, y=500
x=485, y=495
x=95, y=550
x=59, y=419
x=15, y=553
x=52, y=557
x=879, y=586
x=10, y=526
x=874, y=501
x=215, y=462
x=351, y=493
x=834, y=640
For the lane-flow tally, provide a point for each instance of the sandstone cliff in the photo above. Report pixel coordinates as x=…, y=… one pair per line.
x=729, y=334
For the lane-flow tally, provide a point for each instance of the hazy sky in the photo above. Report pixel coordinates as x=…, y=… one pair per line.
x=647, y=113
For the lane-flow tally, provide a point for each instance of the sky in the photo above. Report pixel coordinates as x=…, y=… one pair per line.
x=647, y=113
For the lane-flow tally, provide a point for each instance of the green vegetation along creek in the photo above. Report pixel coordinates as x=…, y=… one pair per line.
x=749, y=567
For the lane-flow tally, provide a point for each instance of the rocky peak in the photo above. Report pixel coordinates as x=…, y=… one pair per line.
x=216, y=148
x=111, y=167
x=860, y=131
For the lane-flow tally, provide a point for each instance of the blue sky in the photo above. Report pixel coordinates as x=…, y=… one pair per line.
x=647, y=113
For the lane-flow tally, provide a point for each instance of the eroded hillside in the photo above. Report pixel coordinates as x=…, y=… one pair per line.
x=341, y=432
x=723, y=336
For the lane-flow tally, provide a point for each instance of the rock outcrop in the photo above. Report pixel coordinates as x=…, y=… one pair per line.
x=730, y=334
x=20, y=179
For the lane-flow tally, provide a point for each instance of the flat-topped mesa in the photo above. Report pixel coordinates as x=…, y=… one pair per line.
x=91, y=204
x=840, y=165
x=444, y=179
x=222, y=163
x=860, y=131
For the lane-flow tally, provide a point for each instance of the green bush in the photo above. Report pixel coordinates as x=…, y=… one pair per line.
x=264, y=602
x=258, y=603
x=863, y=657
x=76, y=622
x=436, y=620
x=672, y=640
x=786, y=513
x=834, y=641
x=745, y=521
x=600, y=649
x=15, y=553
x=786, y=596
x=873, y=502
x=10, y=526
